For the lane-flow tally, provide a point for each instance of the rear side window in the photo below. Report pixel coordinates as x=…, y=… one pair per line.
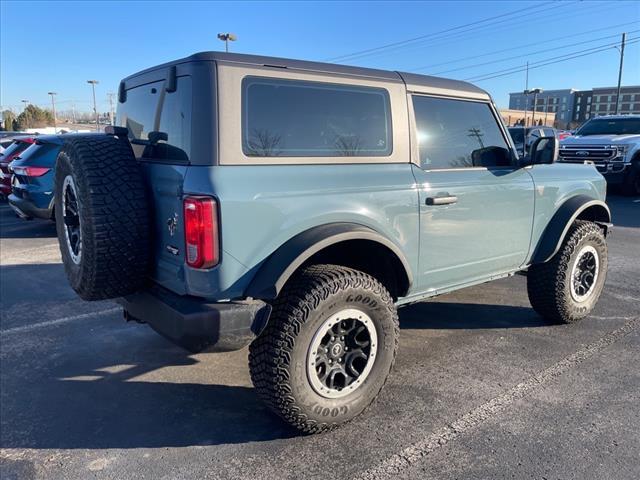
x=159, y=122
x=458, y=134
x=290, y=118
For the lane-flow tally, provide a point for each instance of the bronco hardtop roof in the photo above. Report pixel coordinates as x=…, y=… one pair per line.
x=414, y=82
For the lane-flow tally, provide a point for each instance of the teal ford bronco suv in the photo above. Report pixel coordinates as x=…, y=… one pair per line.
x=293, y=206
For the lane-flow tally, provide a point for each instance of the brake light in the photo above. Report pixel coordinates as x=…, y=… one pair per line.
x=30, y=171
x=201, y=232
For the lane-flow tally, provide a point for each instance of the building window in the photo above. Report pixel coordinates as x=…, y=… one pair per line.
x=626, y=106
x=589, y=100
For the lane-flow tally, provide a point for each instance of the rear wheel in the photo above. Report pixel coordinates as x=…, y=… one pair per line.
x=567, y=287
x=328, y=348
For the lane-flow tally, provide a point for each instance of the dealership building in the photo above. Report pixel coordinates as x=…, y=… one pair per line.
x=573, y=107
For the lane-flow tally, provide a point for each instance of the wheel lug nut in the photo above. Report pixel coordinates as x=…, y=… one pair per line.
x=341, y=338
x=333, y=339
x=326, y=350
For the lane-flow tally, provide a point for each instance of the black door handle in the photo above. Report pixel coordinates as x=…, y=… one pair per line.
x=442, y=200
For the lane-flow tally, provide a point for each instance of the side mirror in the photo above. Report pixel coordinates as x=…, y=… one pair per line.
x=544, y=151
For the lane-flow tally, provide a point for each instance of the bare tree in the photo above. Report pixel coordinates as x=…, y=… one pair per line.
x=262, y=143
x=347, y=146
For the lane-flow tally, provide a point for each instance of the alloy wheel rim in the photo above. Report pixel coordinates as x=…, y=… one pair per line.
x=342, y=353
x=584, y=273
x=71, y=219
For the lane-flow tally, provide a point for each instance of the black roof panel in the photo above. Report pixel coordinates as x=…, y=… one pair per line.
x=409, y=78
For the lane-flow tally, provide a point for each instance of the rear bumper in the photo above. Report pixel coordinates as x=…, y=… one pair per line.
x=195, y=324
x=26, y=208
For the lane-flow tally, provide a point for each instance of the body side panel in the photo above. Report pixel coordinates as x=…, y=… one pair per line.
x=554, y=185
x=292, y=200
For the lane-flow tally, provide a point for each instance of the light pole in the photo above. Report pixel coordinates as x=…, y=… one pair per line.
x=53, y=106
x=111, y=114
x=95, y=109
x=226, y=38
x=25, y=102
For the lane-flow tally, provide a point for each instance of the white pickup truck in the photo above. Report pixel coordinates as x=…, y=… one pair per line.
x=612, y=143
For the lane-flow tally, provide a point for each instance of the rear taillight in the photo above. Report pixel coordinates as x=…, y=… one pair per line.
x=201, y=232
x=30, y=171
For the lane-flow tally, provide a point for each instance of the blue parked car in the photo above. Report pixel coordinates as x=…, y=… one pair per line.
x=32, y=189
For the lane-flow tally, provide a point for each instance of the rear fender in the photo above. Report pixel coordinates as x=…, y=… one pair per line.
x=284, y=262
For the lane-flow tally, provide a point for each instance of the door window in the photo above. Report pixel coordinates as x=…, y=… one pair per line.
x=458, y=134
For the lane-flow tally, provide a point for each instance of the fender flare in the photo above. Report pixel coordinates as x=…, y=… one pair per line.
x=559, y=225
x=281, y=264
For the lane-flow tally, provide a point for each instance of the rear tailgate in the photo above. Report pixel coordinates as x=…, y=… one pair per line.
x=165, y=189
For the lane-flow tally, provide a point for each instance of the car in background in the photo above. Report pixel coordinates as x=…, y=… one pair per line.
x=612, y=144
x=14, y=147
x=531, y=134
x=32, y=192
x=562, y=134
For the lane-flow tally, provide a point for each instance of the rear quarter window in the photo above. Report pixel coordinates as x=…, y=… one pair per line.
x=293, y=118
x=159, y=122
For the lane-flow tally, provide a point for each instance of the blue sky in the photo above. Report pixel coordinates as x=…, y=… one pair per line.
x=57, y=46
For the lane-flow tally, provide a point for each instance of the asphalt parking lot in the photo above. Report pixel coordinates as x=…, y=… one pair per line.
x=482, y=388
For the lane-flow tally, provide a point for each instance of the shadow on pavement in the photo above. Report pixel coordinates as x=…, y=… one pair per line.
x=12, y=226
x=445, y=315
x=94, y=401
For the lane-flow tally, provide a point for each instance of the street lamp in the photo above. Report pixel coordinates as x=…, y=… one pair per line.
x=53, y=106
x=26, y=102
x=226, y=38
x=95, y=108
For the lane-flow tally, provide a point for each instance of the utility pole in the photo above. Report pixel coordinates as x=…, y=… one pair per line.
x=53, y=107
x=526, y=89
x=111, y=114
x=73, y=111
x=624, y=38
x=95, y=108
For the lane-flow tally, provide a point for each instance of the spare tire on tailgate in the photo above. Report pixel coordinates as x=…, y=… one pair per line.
x=102, y=216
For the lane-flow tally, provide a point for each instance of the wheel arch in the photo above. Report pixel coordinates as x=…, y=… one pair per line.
x=579, y=207
x=347, y=244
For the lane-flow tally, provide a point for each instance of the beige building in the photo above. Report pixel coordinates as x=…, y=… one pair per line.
x=513, y=117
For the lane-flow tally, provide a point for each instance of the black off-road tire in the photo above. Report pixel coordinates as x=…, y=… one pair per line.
x=549, y=284
x=113, y=215
x=278, y=357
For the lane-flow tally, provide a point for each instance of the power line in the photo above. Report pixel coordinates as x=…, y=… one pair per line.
x=527, y=54
x=510, y=49
x=542, y=63
x=448, y=39
x=429, y=35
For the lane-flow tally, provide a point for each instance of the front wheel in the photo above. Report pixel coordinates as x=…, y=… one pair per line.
x=328, y=348
x=567, y=287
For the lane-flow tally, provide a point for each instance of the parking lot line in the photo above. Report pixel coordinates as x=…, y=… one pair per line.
x=399, y=462
x=59, y=321
x=30, y=255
